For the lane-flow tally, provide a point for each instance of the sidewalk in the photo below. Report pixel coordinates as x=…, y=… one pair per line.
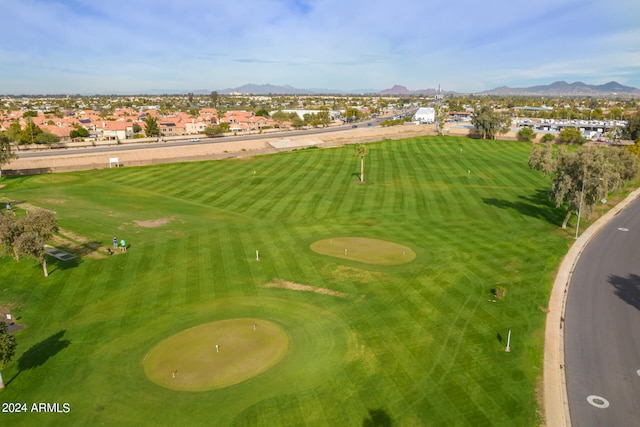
x=556, y=405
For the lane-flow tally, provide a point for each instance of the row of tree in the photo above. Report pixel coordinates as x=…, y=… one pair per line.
x=6, y=154
x=28, y=235
x=587, y=174
x=489, y=123
x=31, y=134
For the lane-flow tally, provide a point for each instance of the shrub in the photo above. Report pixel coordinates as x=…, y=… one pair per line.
x=526, y=134
x=547, y=137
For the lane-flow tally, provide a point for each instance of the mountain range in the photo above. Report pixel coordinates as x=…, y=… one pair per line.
x=559, y=88
x=562, y=88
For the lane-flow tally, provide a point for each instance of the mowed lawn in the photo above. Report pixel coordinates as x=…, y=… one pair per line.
x=416, y=344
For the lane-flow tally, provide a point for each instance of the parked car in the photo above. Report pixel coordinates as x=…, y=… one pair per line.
x=195, y=139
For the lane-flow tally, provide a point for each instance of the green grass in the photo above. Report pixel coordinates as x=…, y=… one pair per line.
x=216, y=355
x=418, y=343
x=365, y=250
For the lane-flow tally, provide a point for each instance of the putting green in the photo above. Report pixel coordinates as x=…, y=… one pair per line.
x=189, y=360
x=368, y=251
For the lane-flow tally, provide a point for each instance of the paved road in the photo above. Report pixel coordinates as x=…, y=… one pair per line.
x=602, y=327
x=186, y=141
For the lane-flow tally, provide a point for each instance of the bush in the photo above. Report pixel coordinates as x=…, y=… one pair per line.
x=526, y=134
x=571, y=136
x=547, y=137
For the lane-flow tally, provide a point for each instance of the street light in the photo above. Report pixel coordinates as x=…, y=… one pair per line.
x=581, y=197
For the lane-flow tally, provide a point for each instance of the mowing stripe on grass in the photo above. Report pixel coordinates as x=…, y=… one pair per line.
x=404, y=330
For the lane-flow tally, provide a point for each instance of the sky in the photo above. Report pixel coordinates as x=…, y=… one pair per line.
x=140, y=46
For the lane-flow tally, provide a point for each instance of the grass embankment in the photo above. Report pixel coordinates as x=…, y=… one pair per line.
x=419, y=343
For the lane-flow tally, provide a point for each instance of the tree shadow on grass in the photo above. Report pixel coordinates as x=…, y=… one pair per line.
x=627, y=289
x=83, y=249
x=536, y=205
x=377, y=418
x=41, y=352
x=54, y=264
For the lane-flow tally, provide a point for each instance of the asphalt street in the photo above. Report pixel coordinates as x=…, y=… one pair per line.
x=602, y=327
x=185, y=141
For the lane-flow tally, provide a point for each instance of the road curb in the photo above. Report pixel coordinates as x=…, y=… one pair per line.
x=556, y=405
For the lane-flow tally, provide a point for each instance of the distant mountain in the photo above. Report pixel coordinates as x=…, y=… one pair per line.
x=269, y=89
x=396, y=90
x=265, y=89
x=562, y=88
x=559, y=88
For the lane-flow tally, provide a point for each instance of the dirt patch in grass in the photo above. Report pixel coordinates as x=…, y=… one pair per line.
x=153, y=223
x=75, y=244
x=283, y=284
x=55, y=201
x=7, y=308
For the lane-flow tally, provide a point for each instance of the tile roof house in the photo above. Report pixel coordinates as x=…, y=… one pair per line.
x=116, y=130
x=172, y=128
x=195, y=126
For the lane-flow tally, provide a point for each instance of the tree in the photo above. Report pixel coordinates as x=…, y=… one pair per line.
x=14, y=131
x=10, y=229
x=487, y=122
x=547, y=137
x=352, y=114
x=632, y=130
x=441, y=116
x=571, y=135
x=541, y=158
x=79, y=132
x=29, y=133
x=214, y=99
x=27, y=236
x=597, y=171
x=47, y=138
x=526, y=134
x=623, y=166
x=297, y=122
x=216, y=130
x=136, y=128
x=634, y=149
x=614, y=134
x=32, y=245
x=262, y=113
x=362, y=150
x=7, y=349
x=577, y=170
x=6, y=155
x=151, y=127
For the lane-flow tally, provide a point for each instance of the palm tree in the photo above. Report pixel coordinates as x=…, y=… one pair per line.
x=362, y=151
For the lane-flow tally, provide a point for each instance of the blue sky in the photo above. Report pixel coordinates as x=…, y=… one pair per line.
x=133, y=46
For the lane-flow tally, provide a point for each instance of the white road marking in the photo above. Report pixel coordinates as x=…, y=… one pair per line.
x=623, y=229
x=598, y=402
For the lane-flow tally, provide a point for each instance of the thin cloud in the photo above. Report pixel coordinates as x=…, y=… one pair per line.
x=87, y=45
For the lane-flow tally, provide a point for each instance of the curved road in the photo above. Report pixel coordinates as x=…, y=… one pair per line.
x=602, y=327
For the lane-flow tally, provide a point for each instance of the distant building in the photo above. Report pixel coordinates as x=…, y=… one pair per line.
x=425, y=115
x=333, y=114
